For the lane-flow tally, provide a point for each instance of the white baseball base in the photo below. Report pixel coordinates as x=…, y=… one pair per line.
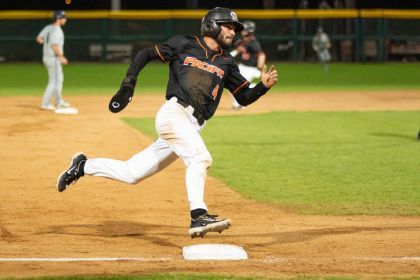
x=214, y=252
x=67, y=111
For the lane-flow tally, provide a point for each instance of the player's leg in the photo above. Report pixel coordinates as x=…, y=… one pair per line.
x=242, y=70
x=235, y=104
x=325, y=57
x=58, y=86
x=140, y=166
x=49, y=64
x=180, y=129
x=254, y=73
x=249, y=73
x=175, y=126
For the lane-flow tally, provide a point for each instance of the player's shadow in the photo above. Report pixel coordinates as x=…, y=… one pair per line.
x=395, y=135
x=311, y=234
x=153, y=233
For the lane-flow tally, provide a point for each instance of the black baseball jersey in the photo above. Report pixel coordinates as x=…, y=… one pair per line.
x=197, y=74
x=250, y=56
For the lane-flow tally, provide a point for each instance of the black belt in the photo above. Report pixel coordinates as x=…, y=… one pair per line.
x=196, y=114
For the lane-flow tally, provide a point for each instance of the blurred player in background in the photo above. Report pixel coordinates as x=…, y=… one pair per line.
x=321, y=45
x=52, y=39
x=250, y=57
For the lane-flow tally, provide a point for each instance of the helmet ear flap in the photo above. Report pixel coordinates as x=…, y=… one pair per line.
x=210, y=28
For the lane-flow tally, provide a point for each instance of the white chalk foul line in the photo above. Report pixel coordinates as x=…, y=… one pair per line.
x=364, y=259
x=391, y=259
x=265, y=260
x=81, y=259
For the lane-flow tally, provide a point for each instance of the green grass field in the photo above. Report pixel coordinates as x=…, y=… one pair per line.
x=318, y=163
x=83, y=78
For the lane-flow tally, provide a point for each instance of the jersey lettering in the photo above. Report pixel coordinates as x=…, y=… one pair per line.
x=215, y=91
x=194, y=62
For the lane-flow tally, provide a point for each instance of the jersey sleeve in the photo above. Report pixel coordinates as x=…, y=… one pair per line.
x=239, y=87
x=169, y=50
x=235, y=81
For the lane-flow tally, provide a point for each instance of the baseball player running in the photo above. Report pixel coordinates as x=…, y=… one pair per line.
x=199, y=68
x=52, y=39
x=321, y=44
x=251, y=57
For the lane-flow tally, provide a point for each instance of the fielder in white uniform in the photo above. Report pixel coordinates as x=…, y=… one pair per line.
x=199, y=69
x=52, y=39
x=250, y=57
x=321, y=44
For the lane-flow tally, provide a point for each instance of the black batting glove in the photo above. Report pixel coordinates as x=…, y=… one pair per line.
x=123, y=96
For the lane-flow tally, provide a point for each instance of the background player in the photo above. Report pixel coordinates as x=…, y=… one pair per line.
x=52, y=39
x=251, y=57
x=321, y=44
x=200, y=68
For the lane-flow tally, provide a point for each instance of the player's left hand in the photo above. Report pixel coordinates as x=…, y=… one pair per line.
x=124, y=95
x=269, y=78
x=121, y=99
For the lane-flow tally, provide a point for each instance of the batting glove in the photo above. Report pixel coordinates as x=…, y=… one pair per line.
x=123, y=96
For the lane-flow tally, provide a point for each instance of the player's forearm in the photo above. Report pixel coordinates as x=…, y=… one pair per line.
x=142, y=58
x=250, y=95
x=57, y=51
x=261, y=60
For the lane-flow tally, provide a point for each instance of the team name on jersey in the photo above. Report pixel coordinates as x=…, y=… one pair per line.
x=194, y=62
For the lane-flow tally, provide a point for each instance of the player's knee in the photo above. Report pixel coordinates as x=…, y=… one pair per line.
x=132, y=180
x=203, y=158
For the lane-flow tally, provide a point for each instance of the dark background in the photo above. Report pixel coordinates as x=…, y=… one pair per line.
x=204, y=4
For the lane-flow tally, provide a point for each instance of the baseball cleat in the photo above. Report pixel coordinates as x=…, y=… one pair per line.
x=207, y=223
x=48, y=107
x=64, y=104
x=73, y=173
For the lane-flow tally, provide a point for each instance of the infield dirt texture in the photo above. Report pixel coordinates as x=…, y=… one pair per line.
x=104, y=218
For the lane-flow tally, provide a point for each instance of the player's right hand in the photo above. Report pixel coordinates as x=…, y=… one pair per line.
x=121, y=99
x=64, y=60
x=269, y=78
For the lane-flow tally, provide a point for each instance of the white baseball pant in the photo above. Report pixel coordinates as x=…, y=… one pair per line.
x=55, y=81
x=324, y=55
x=179, y=136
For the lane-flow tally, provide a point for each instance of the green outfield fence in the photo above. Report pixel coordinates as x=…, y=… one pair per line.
x=357, y=35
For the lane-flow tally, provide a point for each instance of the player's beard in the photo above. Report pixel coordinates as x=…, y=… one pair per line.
x=223, y=42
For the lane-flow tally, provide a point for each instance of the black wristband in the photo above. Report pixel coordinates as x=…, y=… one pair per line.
x=129, y=80
x=261, y=89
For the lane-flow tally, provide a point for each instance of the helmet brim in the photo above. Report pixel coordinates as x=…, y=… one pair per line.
x=238, y=25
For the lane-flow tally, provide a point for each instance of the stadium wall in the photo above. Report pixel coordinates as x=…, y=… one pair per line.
x=356, y=35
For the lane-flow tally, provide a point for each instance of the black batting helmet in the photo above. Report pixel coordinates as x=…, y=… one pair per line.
x=249, y=26
x=210, y=24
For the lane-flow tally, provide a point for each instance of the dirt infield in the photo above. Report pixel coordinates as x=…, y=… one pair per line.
x=98, y=218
